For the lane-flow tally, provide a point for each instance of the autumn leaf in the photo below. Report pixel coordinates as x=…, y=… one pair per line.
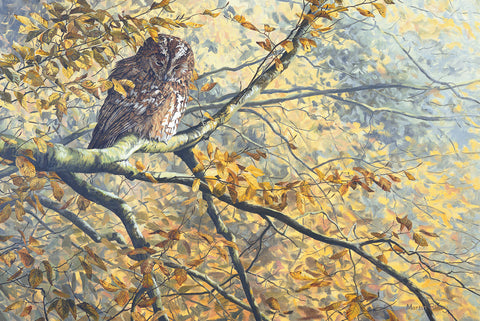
x=338, y=255
x=157, y=5
x=208, y=86
x=25, y=167
x=57, y=190
x=419, y=239
x=249, y=25
x=381, y=8
x=35, y=277
x=368, y=296
x=287, y=45
x=365, y=13
x=409, y=176
x=267, y=28
x=210, y=13
x=273, y=304
x=332, y=306
x=180, y=275
x=300, y=275
x=404, y=222
x=122, y=297
x=26, y=258
x=89, y=309
x=5, y=213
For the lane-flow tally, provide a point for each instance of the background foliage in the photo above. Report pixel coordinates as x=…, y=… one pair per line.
x=370, y=135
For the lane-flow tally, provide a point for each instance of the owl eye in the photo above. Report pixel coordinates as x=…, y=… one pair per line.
x=159, y=63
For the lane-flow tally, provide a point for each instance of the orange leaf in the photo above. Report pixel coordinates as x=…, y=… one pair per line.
x=25, y=167
x=208, y=86
x=409, y=176
x=267, y=28
x=287, y=45
x=35, y=278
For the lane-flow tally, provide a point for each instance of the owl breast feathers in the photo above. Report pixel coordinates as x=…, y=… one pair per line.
x=153, y=108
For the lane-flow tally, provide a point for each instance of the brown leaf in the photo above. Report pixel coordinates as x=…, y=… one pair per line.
x=378, y=235
x=147, y=281
x=394, y=178
x=210, y=13
x=26, y=258
x=35, y=277
x=343, y=189
x=15, y=275
x=419, y=239
x=5, y=213
x=368, y=296
x=26, y=311
x=404, y=222
x=61, y=294
x=57, y=190
x=180, y=275
x=48, y=271
x=248, y=25
x=431, y=234
x=139, y=165
x=122, y=297
x=89, y=309
x=82, y=203
x=157, y=5
x=273, y=304
x=136, y=316
x=338, y=255
x=384, y=183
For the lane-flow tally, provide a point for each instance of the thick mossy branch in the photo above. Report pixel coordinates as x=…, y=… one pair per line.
x=109, y=200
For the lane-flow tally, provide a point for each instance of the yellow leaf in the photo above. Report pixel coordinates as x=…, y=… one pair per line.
x=153, y=33
x=353, y=310
x=278, y=65
x=287, y=45
x=14, y=306
x=251, y=180
x=193, y=24
x=365, y=13
x=151, y=178
x=300, y=275
x=157, y=5
x=267, y=28
x=39, y=18
x=108, y=286
x=26, y=21
x=57, y=190
x=119, y=88
x=240, y=19
x=409, y=176
x=255, y=171
x=210, y=13
x=41, y=144
x=196, y=184
x=25, y=167
x=382, y=9
x=208, y=86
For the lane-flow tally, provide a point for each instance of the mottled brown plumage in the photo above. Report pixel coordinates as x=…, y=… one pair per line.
x=153, y=108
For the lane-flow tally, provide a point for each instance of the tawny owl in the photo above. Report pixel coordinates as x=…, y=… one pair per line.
x=153, y=108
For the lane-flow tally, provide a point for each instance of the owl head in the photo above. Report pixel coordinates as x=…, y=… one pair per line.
x=170, y=59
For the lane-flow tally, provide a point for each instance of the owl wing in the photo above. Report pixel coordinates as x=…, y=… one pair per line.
x=151, y=111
